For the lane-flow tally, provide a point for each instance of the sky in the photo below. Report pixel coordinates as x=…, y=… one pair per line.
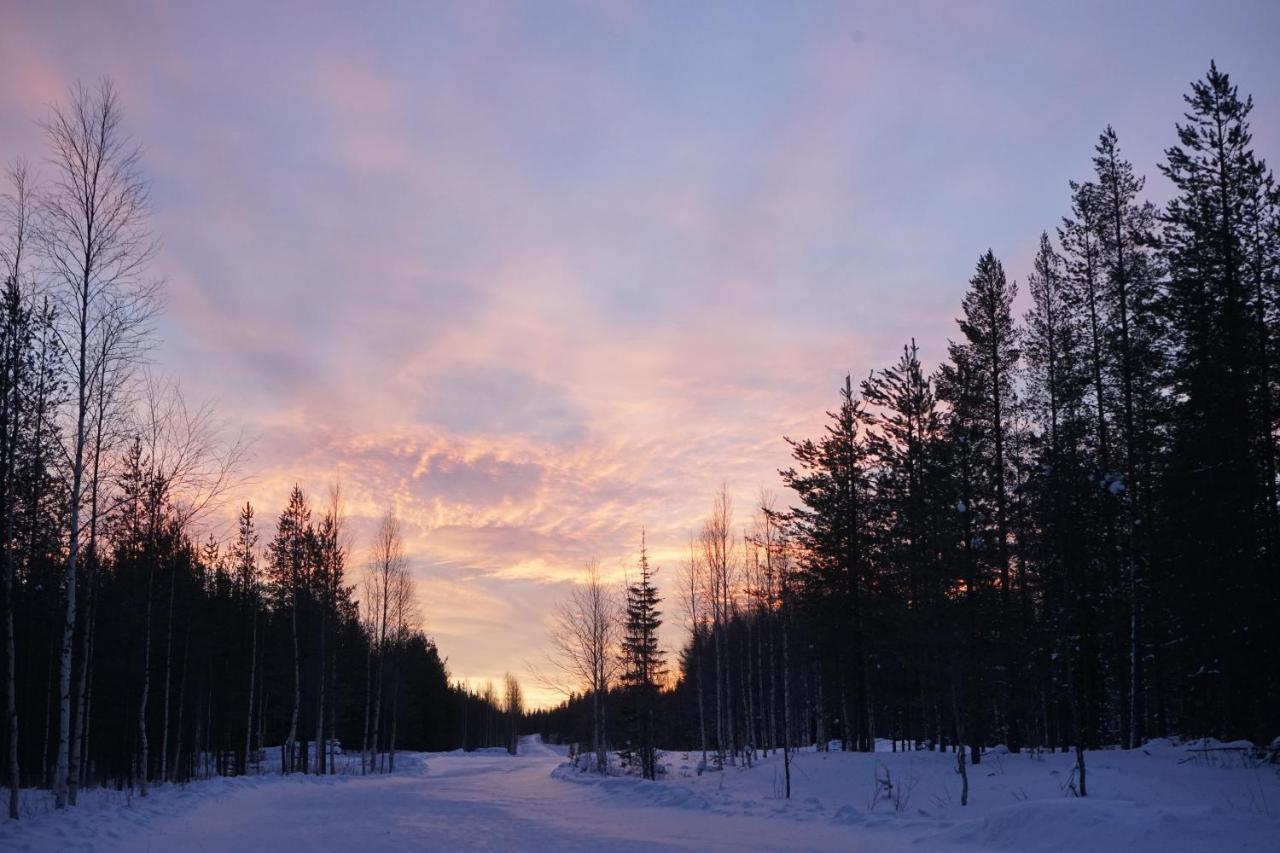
x=540, y=276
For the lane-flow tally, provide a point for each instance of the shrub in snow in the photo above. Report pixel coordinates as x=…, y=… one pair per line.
x=888, y=790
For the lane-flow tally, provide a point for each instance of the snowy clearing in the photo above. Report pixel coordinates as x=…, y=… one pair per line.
x=1165, y=798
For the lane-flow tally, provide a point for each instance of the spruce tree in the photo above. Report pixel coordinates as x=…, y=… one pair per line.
x=643, y=665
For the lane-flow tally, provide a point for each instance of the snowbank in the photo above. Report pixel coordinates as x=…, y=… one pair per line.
x=632, y=788
x=1095, y=824
x=104, y=817
x=1164, y=798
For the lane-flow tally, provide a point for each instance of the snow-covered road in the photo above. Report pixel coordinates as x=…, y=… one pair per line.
x=462, y=802
x=1163, y=798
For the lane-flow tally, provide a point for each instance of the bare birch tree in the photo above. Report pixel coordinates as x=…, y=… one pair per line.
x=189, y=465
x=386, y=565
x=777, y=578
x=404, y=619
x=113, y=375
x=718, y=556
x=513, y=704
x=584, y=641
x=96, y=242
x=369, y=610
x=692, y=592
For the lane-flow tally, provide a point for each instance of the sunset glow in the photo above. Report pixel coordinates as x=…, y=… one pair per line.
x=539, y=278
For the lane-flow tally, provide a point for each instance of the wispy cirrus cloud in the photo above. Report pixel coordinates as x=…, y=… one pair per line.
x=538, y=277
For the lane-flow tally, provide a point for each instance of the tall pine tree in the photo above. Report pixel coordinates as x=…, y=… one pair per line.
x=1220, y=505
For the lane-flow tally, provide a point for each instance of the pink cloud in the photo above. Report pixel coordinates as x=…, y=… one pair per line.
x=535, y=291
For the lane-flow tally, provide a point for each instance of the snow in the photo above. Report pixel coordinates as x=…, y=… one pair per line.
x=1167, y=797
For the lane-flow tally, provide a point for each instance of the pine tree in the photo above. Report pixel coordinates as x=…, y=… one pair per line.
x=1134, y=362
x=289, y=569
x=904, y=448
x=832, y=526
x=979, y=383
x=1060, y=496
x=1220, y=505
x=244, y=556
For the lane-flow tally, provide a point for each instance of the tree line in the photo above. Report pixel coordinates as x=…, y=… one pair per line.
x=134, y=650
x=1063, y=536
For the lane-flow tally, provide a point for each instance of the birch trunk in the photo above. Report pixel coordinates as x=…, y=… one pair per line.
x=728, y=677
x=748, y=712
x=287, y=766
x=168, y=671
x=720, y=752
x=395, y=702
x=45, y=767
x=62, y=763
x=960, y=763
x=79, y=755
x=320, y=744
x=377, y=691
x=331, y=743
x=253, y=666
x=368, y=697
x=143, y=756
x=79, y=744
x=182, y=693
x=597, y=733
x=786, y=708
x=11, y=693
x=820, y=715
x=6, y=560
x=773, y=685
x=702, y=713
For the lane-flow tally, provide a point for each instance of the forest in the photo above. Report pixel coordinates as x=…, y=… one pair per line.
x=133, y=653
x=1063, y=537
